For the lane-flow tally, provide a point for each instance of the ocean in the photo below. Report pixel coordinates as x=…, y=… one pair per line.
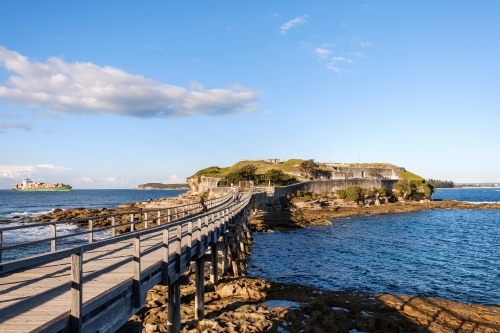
x=15, y=205
x=450, y=254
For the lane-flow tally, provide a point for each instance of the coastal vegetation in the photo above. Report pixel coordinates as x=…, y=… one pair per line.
x=407, y=175
x=441, y=183
x=352, y=193
x=161, y=186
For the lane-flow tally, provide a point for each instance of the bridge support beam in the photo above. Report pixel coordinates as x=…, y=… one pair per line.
x=199, y=282
x=224, y=257
x=214, y=263
x=174, y=308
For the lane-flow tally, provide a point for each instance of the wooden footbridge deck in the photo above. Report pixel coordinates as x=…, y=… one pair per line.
x=98, y=286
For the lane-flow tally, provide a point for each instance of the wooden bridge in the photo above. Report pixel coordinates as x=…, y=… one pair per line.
x=98, y=286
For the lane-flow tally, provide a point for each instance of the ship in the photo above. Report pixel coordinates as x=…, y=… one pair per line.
x=28, y=185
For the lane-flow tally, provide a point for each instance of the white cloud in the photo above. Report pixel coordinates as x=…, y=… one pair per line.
x=334, y=60
x=333, y=68
x=360, y=55
x=52, y=167
x=174, y=179
x=21, y=126
x=84, y=180
x=275, y=15
x=322, y=53
x=10, y=115
x=292, y=23
x=267, y=112
x=22, y=171
x=115, y=181
x=366, y=44
x=84, y=87
x=152, y=47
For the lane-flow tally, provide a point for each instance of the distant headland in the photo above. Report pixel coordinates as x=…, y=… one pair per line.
x=160, y=186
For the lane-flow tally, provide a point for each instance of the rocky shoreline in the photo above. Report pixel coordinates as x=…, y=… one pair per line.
x=293, y=214
x=247, y=304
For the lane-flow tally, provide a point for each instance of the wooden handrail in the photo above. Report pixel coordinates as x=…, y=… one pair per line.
x=59, y=254
x=192, y=207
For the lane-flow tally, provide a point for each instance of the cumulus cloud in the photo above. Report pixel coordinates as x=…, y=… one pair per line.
x=334, y=60
x=84, y=180
x=115, y=181
x=292, y=23
x=83, y=87
x=322, y=53
x=174, y=179
x=52, y=167
x=366, y=44
x=360, y=55
x=275, y=15
x=22, y=171
x=21, y=126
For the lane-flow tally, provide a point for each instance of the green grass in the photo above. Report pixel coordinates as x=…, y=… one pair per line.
x=409, y=175
x=291, y=165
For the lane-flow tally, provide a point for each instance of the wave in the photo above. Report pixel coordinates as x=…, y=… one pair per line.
x=29, y=234
x=481, y=202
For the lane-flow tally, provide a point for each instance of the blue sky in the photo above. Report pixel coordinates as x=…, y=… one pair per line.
x=118, y=93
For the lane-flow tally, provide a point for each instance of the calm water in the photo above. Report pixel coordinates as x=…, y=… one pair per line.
x=475, y=195
x=15, y=205
x=452, y=254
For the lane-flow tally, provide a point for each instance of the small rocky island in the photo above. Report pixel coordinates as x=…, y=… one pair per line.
x=161, y=186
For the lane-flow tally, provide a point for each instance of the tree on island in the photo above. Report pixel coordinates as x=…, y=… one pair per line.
x=309, y=167
x=275, y=176
x=246, y=172
x=442, y=183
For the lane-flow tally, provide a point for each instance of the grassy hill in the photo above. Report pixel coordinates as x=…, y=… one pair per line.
x=291, y=165
x=409, y=176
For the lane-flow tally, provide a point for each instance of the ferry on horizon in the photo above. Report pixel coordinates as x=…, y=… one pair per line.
x=28, y=185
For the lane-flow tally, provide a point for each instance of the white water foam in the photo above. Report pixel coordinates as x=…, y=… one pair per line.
x=29, y=234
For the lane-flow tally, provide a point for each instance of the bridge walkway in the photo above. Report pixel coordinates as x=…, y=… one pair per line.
x=37, y=299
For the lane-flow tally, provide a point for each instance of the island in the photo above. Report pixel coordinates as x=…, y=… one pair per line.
x=161, y=186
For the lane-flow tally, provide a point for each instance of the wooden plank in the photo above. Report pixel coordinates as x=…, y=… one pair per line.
x=76, y=292
x=137, y=273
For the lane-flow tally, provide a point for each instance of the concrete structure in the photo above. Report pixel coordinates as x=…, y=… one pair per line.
x=328, y=186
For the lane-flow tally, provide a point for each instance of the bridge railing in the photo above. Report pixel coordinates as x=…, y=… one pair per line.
x=163, y=215
x=188, y=238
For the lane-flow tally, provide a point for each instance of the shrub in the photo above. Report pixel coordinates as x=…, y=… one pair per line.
x=341, y=194
x=403, y=187
x=355, y=192
x=381, y=191
x=300, y=193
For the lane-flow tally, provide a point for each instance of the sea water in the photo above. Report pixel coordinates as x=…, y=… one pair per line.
x=15, y=205
x=450, y=254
